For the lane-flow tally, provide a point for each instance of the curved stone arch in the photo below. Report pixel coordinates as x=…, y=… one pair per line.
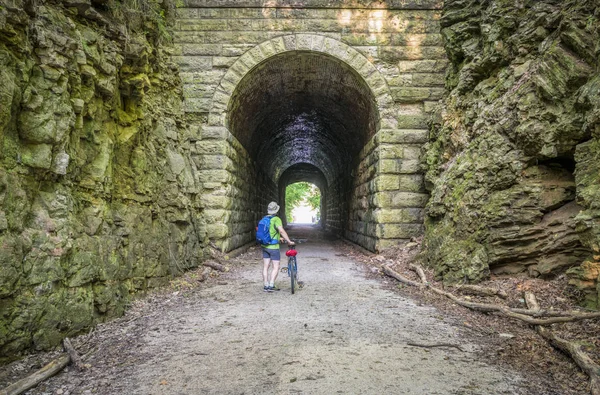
x=301, y=42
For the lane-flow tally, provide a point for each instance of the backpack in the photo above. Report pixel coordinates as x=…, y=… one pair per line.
x=263, y=234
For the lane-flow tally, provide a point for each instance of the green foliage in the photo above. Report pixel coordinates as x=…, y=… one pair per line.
x=148, y=16
x=299, y=193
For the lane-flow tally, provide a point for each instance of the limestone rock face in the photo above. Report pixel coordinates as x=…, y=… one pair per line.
x=513, y=160
x=95, y=204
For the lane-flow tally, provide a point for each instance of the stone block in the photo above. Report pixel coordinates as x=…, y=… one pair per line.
x=394, y=54
x=399, y=166
x=411, y=183
x=397, y=199
x=212, y=147
x=386, y=182
x=412, y=121
x=202, y=49
x=214, y=175
x=399, y=136
x=398, y=231
x=217, y=231
x=204, y=25
x=193, y=63
x=423, y=66
x=402, y=215
x=216, y=201
x=413, y=94
x=214, y=133
x=216, y=216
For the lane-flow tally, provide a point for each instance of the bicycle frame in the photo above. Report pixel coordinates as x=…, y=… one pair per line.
x=292, y=270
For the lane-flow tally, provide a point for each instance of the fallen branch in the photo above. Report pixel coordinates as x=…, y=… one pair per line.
x=435, y=345
x=484, y=291
x=399, y=277
x=591, y=368
x=37, y=377
x=216, y=266
x=75, y=359
x=420, y=273
x=525, y=315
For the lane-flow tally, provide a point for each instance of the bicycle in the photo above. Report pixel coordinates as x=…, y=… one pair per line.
x=292, y=267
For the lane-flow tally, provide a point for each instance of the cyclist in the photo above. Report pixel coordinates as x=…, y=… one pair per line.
x=270, y=252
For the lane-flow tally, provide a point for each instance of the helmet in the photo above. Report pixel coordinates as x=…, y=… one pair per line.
x=291, y=253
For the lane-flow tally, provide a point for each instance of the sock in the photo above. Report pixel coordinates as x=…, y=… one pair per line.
x=272, y=284
x=266, y=284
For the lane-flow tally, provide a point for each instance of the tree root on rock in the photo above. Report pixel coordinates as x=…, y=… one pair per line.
x=573, y=350
x=530, y=315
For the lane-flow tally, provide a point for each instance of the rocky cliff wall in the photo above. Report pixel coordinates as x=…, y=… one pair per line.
x=98, y=176
x=513, y=164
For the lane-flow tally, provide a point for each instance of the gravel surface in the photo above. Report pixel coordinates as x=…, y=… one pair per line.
x=344, y=332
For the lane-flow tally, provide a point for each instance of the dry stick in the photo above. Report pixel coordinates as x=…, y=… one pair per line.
x=586, y=364
x=435, y=345
x=478, y=290
x=216, y=266
x=75, y=359
x=34, y=379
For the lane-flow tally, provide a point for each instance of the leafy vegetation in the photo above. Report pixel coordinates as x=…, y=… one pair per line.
x=301, y=193
x=149, y=16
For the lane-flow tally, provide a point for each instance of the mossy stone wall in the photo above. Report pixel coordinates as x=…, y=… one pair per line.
x=99, y=187
x=513, y=158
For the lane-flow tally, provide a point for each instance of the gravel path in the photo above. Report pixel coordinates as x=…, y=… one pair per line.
x=343, y=333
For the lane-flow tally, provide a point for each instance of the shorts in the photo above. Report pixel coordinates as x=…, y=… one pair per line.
x=271, y=253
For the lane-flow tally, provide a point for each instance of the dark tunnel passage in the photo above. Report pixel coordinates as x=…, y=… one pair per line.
x=304, y=116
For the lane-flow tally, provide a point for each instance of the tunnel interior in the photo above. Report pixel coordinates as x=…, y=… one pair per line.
x=303, y=116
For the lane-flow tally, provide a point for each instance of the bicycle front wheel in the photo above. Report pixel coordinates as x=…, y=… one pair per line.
x=292, y=270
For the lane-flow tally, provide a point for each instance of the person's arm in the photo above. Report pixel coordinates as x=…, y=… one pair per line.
x=284, y=235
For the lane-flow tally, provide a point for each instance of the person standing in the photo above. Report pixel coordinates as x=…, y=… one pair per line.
x=270, y=252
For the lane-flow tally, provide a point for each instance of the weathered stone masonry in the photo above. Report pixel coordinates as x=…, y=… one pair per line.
x=343, y=86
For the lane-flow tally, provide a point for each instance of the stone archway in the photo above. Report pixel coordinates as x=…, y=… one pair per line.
x=340, y=120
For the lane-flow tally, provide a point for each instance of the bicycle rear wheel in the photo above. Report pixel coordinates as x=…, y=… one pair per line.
x=292, y=270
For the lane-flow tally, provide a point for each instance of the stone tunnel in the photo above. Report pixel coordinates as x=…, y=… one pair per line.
x=332, y=95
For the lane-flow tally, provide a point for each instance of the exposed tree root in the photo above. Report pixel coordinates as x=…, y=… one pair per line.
x=216, y=266
x=484, y=291
x=75, y=358
x=526, y=315
x=591, y=368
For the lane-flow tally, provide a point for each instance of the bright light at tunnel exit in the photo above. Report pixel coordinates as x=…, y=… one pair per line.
x=302, y=203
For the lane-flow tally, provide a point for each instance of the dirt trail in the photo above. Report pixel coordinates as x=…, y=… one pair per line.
x=342, y=333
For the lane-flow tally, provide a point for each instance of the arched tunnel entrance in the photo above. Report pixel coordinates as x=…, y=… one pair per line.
x=305, y=116
x=310, y=108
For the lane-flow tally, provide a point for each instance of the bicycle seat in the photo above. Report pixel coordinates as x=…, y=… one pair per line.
x=291, y=253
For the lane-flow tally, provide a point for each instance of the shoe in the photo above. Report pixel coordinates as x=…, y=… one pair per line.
x=274, y=288
x=266, y=288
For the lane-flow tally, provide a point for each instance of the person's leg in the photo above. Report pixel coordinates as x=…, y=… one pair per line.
x=275, y=258
x=266, y=263
x=274, y=273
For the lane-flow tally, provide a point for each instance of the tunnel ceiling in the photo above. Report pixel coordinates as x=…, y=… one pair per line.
x=303, y=107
